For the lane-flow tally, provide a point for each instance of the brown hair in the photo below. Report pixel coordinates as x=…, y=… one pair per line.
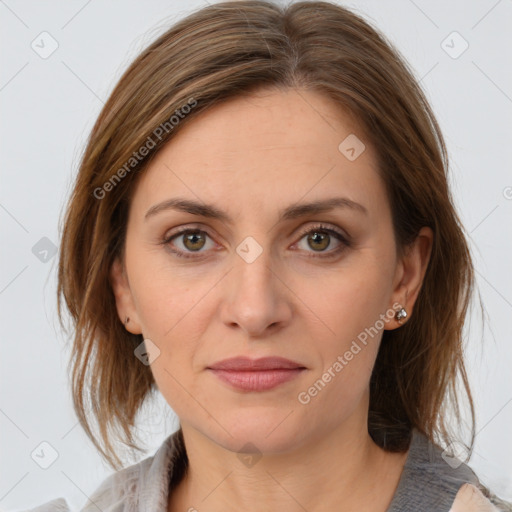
x=226, y=50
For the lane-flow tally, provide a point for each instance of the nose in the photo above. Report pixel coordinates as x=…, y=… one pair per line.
x=256, y=299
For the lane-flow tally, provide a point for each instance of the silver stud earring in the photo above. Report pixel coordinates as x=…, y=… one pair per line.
x=401, y=315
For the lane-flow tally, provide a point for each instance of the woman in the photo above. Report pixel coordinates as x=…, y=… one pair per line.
x=261, y=229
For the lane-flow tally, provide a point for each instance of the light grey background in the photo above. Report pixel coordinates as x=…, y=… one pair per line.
x=48, y=108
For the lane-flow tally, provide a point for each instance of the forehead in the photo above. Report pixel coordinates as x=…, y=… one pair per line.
x=265, y=150
x=269, y=119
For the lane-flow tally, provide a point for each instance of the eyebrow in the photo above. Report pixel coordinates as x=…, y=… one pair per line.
x=291, y=212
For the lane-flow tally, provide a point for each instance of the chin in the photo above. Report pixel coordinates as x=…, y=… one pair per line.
x=256, y=431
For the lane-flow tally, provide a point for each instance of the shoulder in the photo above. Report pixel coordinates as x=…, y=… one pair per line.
x=436, y=480
x=144, y=482
x=470, y=499
x=110, y=495
x=56, y=505
x=126, y=487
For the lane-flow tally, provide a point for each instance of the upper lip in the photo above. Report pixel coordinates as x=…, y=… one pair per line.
x=247, y=364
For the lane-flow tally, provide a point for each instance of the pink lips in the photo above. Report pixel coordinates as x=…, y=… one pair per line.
x=256, y=374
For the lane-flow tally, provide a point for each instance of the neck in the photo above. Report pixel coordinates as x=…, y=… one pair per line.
x=341, y=470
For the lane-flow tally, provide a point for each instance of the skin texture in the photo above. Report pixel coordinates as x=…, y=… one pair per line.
x=253, y=157
x=470, y=499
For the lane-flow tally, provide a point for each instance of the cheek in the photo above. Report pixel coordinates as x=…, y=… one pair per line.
x=166, y=297
x=174, y=317
x=175, y=312
x=350, y=305
x=348, y=358
x=350, y=299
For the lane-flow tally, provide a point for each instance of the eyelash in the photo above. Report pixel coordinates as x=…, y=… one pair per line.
x=319, y=228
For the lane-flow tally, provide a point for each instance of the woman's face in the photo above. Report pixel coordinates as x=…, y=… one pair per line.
x=259, y=282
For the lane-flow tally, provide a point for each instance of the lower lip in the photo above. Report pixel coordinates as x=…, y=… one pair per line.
x=257, y=380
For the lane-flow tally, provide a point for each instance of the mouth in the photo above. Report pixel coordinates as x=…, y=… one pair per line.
x=262, y=374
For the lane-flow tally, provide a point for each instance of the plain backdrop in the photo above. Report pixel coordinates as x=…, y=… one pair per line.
x=461, y=52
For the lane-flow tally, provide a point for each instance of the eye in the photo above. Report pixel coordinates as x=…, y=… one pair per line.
x=193, y=240
x=320, y=237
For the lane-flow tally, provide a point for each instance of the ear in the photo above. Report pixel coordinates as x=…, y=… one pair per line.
x=124, y=300
x=409, y=274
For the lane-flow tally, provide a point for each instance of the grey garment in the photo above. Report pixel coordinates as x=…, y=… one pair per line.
x=429, y=480
x=428, y=483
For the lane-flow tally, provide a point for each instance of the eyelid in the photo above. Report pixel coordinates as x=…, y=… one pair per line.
x=343, y=238
x=323, y=226
x=183, y=230
x=316, y=225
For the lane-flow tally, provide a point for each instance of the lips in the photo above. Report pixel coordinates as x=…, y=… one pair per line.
x=262, y=374
x=242, y=364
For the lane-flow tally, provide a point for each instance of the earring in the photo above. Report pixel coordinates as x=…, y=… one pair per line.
x=127, y=319
x=401, y=315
